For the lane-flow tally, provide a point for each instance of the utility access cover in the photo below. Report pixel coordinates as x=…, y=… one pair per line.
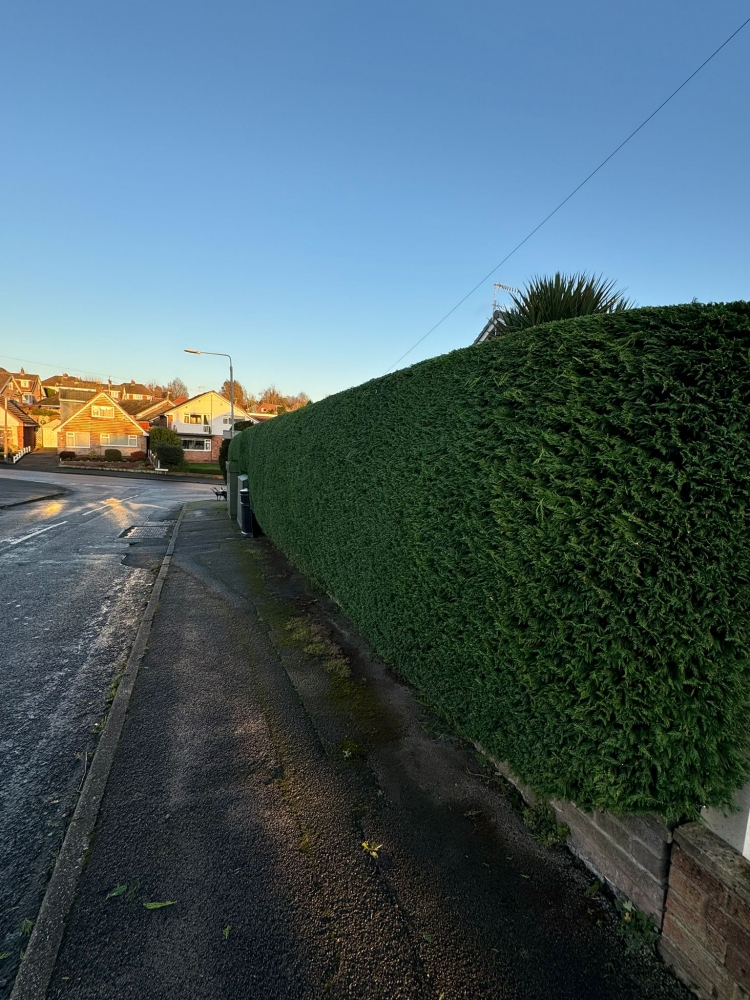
x=146, y=531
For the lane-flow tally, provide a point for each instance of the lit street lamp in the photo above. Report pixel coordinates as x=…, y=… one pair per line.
x=218, y=354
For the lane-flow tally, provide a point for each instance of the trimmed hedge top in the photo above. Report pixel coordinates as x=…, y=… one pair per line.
x=547, y=535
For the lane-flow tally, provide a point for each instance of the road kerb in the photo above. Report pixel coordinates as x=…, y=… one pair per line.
x=38, y=964
x=46, y=496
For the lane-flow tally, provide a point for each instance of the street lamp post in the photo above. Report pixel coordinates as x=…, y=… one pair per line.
x=218, y=354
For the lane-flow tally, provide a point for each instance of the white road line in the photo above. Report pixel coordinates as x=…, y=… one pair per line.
x=94, y=509
x=110, y=502
x=17, y=541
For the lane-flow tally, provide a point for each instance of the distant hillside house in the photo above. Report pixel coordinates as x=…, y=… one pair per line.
x=125, y=390
x=131, y=390
x=55, y=383
x=100, y=423
x=21, y=386
x=202, y=423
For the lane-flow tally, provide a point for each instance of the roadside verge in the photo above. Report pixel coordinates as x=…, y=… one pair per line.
x=41, y=953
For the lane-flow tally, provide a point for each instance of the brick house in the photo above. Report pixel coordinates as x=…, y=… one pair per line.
x=21, y=386
x=56, y=384
x=131, y=390
x=100, y=423
x=19, y=427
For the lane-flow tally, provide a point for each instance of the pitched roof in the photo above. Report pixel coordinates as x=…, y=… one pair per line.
x=25, y=375
x=135, y=387
x=107, y=399
x=71, y=382
x=15, y=410
x=489, y=330
x=132, y=406
x=78, y=395
x=209, y=392
x=48, y=402
x=146, y=410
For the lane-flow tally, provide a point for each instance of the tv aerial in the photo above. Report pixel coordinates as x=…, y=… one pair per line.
x=505, y=288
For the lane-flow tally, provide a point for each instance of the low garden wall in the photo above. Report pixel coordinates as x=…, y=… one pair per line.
x=706, y=935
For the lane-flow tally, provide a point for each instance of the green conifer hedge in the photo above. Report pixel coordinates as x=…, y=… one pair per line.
x=547, y=535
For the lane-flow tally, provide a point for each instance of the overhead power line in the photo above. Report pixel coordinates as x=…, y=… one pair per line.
x=572, y=193
x=61, y=368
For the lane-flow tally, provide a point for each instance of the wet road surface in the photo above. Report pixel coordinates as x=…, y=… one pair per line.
x=72, y=589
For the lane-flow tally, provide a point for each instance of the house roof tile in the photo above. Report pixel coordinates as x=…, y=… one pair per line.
x=15, y=410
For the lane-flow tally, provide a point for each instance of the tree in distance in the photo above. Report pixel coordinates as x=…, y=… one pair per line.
x=241, y=396
x=176, y=388
x=271, y=397
x=565, y=296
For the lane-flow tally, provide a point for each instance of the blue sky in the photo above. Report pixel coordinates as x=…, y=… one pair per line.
x=312, y=186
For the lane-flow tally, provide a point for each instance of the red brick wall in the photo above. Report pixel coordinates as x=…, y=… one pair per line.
x=706, y=933
x=631, y=853
x=206, y=456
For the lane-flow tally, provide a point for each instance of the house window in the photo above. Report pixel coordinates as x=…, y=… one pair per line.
x=120, y=440
x=77, y=439
x=196, y=444
x=195, y=418
x=25, y=383
x=28, y=397
x=103, y=412
x=226, y=420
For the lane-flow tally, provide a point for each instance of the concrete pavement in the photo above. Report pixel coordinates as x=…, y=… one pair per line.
x=74, y=579
x=308, y=828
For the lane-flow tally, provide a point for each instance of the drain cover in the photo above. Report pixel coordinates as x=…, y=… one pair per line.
x=146, y=531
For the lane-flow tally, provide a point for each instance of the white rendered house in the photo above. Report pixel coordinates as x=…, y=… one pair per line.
x=202, y=423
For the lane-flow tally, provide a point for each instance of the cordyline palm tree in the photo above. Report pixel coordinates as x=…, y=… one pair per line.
x=562, y=297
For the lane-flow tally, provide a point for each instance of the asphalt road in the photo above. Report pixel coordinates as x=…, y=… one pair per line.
x=284, y=821
x=72, y=588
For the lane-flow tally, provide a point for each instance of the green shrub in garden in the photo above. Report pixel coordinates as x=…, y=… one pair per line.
x=162, y=435
x=170, y=454
x=547, y=535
